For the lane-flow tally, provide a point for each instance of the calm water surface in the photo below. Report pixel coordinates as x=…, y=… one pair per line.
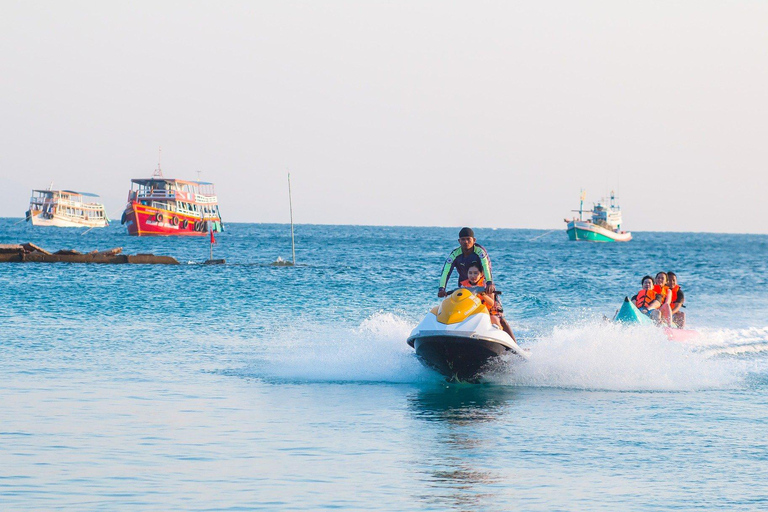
x=248, y=386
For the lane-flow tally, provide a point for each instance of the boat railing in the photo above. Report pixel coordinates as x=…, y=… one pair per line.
x=66, y=202
x=41, y=200
x=175, y=209
x=199, y=198
x=157, y=194
x=80, y=214
x=163, y=206
x=87, y=206
x=171, y=195
x=185, y=211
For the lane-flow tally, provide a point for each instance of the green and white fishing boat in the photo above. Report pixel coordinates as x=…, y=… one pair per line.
x=604, y=226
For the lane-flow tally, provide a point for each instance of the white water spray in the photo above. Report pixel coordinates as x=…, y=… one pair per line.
x=588, y=355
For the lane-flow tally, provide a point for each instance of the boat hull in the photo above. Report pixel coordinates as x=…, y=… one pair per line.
x=588, y=232
x=456, y=358
x=142, y=220
x=38, y=218
x=680, y=334
x=629, y=314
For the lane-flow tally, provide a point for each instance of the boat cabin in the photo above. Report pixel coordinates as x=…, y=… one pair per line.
x=607, y=216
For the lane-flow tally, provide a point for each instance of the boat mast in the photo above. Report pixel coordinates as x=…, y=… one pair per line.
x=290, y=206
x=581, y=204
x=158, y=172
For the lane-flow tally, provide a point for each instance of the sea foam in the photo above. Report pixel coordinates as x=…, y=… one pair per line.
x=586, y=355
x=374, y=351
x=603, y=355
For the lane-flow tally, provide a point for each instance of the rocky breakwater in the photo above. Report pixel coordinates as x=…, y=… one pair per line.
x=31, y=253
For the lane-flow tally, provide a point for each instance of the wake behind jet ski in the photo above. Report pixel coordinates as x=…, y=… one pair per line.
x=458, y=340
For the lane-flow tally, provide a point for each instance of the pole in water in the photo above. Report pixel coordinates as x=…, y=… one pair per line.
x=211, y=240
x=290, y=206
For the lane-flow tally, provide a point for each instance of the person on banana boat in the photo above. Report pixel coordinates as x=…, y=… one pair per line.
x=475, y=278
x=646, y=300
x=677, y=301
x=460, y=259
x=665, y=297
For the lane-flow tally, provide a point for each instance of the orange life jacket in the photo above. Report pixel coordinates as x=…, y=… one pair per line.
x=487, y=300
x=661, y=292
x=674, y=291
x=645, y=298
x=466, y=284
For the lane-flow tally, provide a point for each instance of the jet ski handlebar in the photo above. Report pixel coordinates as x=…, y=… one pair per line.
x=473, y=289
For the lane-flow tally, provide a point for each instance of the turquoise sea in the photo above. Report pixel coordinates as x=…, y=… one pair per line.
x=252, y=387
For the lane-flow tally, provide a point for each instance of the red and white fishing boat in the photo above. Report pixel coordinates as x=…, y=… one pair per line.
x=159, y=206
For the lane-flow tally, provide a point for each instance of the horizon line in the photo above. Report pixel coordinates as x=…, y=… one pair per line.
x=451, y=227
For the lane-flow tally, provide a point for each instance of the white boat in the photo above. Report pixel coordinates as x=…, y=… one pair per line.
x=604, y=226
x=65, y=209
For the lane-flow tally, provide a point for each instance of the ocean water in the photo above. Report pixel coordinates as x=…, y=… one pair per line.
x=252, y=387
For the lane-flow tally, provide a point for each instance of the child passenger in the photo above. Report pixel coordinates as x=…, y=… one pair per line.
x=475, y=278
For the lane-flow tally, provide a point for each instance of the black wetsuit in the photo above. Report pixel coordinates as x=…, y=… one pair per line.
x=461, y=263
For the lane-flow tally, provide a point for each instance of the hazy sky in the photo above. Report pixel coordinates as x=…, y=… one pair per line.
x=400, y=113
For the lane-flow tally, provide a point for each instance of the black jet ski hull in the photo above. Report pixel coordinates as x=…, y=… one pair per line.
x=457, y=358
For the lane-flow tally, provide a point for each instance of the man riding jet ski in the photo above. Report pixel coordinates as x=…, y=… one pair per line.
x=462, y=335
x=458, y=339
x=462, y=258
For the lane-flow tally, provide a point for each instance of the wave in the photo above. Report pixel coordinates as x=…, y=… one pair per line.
x=603, y=355
x=586, y=355
x=375, y=351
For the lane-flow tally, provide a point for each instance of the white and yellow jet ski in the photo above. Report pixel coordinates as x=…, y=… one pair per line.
x=458, y=339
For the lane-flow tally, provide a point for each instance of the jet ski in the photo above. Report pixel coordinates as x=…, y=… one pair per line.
x=458, y=340
x=629, y=314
